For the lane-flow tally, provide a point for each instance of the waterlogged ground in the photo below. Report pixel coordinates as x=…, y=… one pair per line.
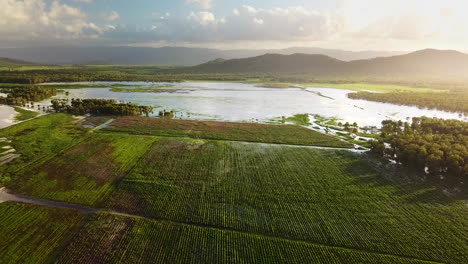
x=247, y=102
x=7, y=115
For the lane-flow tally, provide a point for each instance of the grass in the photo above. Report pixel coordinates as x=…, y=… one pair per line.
x=33, y=234
x=24, y=114
x=118, y=239
x=319, y=196
x=281, y=134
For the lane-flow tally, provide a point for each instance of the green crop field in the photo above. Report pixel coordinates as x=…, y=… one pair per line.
x=250, y=132
x=40, y=139
x=168, y=195
x=319, y=196
x=85, y=173
x=33, y=234
x=117, y=239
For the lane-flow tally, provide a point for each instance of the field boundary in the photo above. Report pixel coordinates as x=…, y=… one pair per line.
x=232, y=141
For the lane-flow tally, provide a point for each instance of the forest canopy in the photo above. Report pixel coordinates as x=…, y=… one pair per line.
x=21, y=95
x=99, y=107
x=435, y=146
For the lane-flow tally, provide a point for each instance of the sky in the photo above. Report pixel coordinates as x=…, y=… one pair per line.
x=397, y=25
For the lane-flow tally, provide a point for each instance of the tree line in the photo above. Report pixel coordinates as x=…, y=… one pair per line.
x=454, y=101
x=22, y=95
x=431, y=145
x=111, y=73
x=99, y=107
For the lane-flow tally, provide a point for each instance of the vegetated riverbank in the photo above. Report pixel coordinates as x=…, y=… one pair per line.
x=454, y=101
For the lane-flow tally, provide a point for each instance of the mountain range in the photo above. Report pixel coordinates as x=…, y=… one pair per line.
x=429, y=63
x=165, y=56
x=8, y=62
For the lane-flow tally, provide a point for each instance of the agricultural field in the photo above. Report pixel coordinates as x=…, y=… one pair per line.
x=165, y=192
x=319, y=196
x=40, y=139
x=250, y=132
x=119, y=239
x=85, y=173
x=34, y=234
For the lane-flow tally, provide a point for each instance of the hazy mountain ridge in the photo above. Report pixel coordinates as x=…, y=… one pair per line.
x=442, y=64
x=8, y=62
x=165, y=56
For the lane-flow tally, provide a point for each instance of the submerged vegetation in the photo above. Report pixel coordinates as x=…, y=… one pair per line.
x=436, y=146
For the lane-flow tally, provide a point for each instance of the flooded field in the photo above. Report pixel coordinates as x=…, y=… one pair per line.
x=248, y=102
x=7, y=114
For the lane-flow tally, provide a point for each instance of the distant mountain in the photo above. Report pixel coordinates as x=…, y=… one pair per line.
x=428, y=62
x=7, y=62
x=271, y=63
x=441, y=64
x=165, y=56
x=343, y=55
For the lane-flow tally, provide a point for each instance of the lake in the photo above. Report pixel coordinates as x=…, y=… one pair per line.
x=247, y=102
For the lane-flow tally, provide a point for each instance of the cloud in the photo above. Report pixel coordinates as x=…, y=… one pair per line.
x=243, y=24
x=203, y=18
x=205, y=4
x=405, y=20
x=40, y=20
x=112, y=16
x=83, y=1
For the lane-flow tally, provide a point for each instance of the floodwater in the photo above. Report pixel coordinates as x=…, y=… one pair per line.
x=7, y=114
x=247, y=102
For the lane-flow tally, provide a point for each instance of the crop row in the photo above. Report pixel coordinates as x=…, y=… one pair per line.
x=326, y=197
x=112, y=239
x=32, y=234
x=86, y=173
x=249, y=132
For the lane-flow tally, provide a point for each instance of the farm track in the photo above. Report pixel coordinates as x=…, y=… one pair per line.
x=8, y=197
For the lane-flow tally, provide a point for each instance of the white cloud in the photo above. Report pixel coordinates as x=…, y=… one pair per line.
x=37, y=19
x=244, y=24
x=203, y=18
x=258, y=21
x=84, y=1
x=205, y=4
x=405, y=20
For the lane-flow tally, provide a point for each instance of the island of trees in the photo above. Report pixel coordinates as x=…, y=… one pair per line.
x=22, y=95
x=99, y=107
x=435, y=146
